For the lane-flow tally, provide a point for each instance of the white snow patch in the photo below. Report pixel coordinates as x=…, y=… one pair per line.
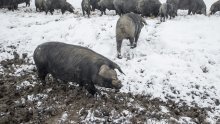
x=63, y=117
x=37, y=97
x=164, y=109
x=25, y=84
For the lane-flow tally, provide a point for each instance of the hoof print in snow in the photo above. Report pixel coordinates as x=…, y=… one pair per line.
x=11, y=27
x=204, y=69
x=211, y=62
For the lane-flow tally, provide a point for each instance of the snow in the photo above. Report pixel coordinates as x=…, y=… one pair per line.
x=63, y=117
x=167, y=62
x=164, y=109
x=37, y=97
x=25, y=84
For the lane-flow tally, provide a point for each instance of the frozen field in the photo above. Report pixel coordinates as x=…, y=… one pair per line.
x=178, y=60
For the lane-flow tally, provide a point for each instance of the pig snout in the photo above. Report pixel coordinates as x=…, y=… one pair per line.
x=117, y=84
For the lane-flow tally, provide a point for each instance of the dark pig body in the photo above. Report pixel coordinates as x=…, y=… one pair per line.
x=149, y=7
x=128, y=27
x=11, y=4
x=126, y=6
x=94, y=4
x=193, y=6
x=76, y=64
x=106, y=4
x=58, y=4
x=215, y=7
x=143, y=7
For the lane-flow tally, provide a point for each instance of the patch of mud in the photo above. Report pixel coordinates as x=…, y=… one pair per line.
x=23, y=99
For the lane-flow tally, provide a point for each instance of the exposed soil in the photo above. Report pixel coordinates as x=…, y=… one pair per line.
x=23, y=99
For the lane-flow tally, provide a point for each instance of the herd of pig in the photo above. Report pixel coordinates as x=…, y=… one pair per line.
x=71, y=63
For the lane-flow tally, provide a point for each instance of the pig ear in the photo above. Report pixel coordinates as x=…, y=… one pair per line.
x=119, y=69
x=102, y=70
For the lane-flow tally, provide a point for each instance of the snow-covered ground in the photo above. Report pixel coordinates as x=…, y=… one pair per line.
x=178, y=59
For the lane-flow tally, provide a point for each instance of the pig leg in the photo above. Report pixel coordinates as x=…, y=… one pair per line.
x=90, y=87
x=104, y=11
x=193, y=11
x=51, y=12
x=131, y=39
x=136, y=38
x=189, y=11
x=83, y=12
x=88, y=13
x=80, y=85
x=93, y=8
x=119, y=42
x=42, y=75
x=63, y=11
x=170, y=16
x=166, y=16
x=101, y=13
x=116, y=12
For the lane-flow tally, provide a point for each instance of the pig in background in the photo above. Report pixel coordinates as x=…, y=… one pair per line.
x=215, y=7
x=106, y=4
x=193, y=6
x=51, y=5
x=143, y=7
x=94, y=4
x=166, y=10
x=128, y=27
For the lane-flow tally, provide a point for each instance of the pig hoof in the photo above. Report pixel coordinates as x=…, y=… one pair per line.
x=135, y=45
x=119, y=57
x=132, y=47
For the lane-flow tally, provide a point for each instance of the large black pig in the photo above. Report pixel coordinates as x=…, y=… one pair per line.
x=215, y=7
x=76, y=64
x=126, y=6
x=149, y=7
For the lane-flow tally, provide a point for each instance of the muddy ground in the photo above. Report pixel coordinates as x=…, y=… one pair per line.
x=23, y=99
